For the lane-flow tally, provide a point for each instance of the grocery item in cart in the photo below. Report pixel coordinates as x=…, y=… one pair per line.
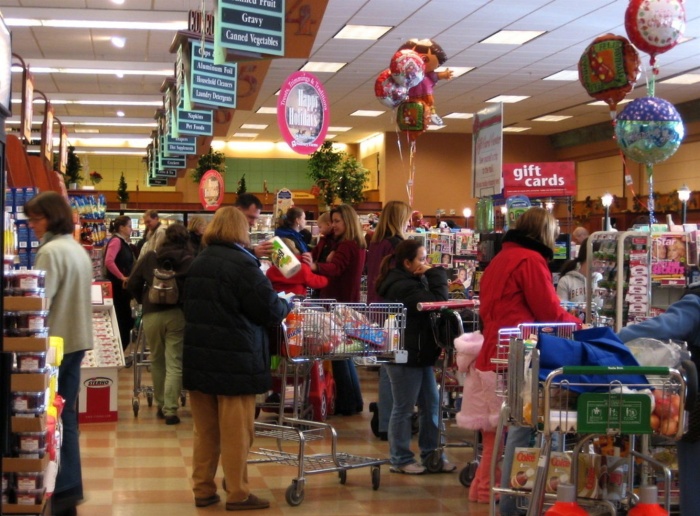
x=522, y=474
x=283, y=258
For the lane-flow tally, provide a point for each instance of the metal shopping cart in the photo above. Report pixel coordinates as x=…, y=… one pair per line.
x=326, y=330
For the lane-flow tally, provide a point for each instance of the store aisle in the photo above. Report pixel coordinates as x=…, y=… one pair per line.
x=141, y=467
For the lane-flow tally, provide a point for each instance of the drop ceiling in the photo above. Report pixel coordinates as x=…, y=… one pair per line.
x=457, y=25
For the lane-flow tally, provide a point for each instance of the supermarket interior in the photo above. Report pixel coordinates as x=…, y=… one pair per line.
x=440, y=122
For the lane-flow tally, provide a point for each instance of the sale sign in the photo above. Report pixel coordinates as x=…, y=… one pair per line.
x=554, y=179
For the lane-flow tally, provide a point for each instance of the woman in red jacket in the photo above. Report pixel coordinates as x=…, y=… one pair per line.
x=516, y=288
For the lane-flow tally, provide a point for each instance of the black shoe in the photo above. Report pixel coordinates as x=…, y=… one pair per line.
x=206, y=502
x=374, y=423
x=172, y=420
x=160, y=414
x=383, y=436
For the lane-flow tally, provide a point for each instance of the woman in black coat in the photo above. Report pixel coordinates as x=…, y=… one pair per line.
x=229, y=307
x=405, y=278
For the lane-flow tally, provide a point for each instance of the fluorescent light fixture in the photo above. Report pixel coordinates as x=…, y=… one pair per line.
x=515, y=129
x=685, y=79
x=433, y=127
x=512, y=37
x=118, y=41
x=508, y=99
x=457, y=71
x=119, y=75
x=95, y=71
x=321, y=67
x=115, y=152
x=257, y=127
x=603, y=103
x=112, y=142
x=459, y=116
x=120, y=114
x=218, y=144
x=118, y=2
x=338, y=128
x=371, y=32
x=330, y=136
x=367, y=112
x=86, y=131
x=551, y=118
x=564, y=75
x=267, y=110
x=245, y=135
x=172, y=26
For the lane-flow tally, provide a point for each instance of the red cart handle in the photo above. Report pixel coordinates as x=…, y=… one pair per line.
x=432, y=306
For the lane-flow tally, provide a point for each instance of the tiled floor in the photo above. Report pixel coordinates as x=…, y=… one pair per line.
x=140, y=466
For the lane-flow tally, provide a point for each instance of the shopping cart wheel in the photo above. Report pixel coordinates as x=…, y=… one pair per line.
x=149, y=398
x=434, y=462
x=135, y=406
x=343, y=476
x=294, y=496
x=376, y=474
x=467, y=474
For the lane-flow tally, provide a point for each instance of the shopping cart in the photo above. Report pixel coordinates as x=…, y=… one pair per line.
x=325, y=330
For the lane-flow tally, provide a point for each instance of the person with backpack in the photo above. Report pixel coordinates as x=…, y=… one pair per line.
x=157, y=283
x=118, y=261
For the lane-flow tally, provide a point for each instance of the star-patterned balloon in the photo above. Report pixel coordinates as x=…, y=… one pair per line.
x=649, y=130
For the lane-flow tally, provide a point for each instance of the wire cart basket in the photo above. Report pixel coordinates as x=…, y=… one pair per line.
x=327, y=330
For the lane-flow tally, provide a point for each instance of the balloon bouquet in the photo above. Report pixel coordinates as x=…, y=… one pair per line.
x=649, y=130
x=407, y=86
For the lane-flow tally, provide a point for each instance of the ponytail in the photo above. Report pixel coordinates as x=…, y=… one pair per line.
x=406, y=250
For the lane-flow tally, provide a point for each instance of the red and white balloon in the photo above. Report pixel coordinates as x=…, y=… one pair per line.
x=388, y=92
x=655, y=26
x=407, y=68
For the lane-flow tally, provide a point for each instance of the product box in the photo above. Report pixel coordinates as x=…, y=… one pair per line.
x=589, y=471
x=28, y=424
x=25, y=343
x=30, y=382
x=25, y=303
x=559, y=471
x=524, y=470
x=97, y=402
x=15, y=465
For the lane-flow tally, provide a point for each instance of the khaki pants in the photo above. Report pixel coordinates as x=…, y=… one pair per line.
x=223, y=426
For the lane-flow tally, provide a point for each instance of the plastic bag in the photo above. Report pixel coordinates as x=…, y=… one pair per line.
x=654, y=352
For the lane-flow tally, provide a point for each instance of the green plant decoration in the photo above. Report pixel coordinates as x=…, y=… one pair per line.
x=335, y=174
x=73, y=168
x=241, y=186
x=122, y=192
x=212, y=160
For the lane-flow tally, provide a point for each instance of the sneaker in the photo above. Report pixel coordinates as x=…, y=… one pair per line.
x=412, y=468
x=206, y=502
x=172, y=420
x=250, y=503
x=447, y=467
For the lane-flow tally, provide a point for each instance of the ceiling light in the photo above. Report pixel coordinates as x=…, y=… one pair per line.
x=551, y=118
x=172, y=26
x=85, y=131
x=338, y=129
x=371, y=32
x=508, y=99
x=685, y=79
x=258, y=127
x=462, y=116
x=120, y=113
x=118, y=2
x=512, y=37
x=321, y=67
x=457, y=71
x=564, y=75
x=245, y=135
x=603, y=103
x=119, y=75
x=115, y=152
x=95, y=71
x=367, y=112
x=267, y=111
x=515, y=129
x=118, y=41
x=330, y=136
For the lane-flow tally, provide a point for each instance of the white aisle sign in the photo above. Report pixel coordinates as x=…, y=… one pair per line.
x=487, y=151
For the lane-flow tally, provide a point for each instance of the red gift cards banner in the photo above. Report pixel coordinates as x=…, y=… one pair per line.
x=554, y=179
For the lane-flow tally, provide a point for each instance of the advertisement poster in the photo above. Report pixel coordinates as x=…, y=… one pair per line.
x=487, y=151
x=211, y=190
x=303, y=112
x=554, y=179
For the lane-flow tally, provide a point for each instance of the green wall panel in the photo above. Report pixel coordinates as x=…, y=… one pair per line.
x=278, y=172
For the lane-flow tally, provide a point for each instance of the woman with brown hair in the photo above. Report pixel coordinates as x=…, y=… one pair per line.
x=118, y=262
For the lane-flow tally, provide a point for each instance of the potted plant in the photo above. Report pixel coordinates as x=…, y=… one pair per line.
x=95, y=177
x=122, y=192
x=212, y=160
x=241, y=186
x=335, y=174
x=73, y=168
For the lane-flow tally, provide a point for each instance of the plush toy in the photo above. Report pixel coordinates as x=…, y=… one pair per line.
x=433, y=56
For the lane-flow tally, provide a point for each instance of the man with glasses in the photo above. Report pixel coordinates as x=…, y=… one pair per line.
x=251, y=207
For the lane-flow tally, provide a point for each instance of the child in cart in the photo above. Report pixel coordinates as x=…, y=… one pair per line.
x=405, y=278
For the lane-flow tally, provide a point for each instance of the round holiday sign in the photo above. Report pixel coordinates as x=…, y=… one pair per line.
x=302, y=112
x=211, y=190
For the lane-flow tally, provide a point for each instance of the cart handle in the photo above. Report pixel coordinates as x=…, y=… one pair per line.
x=431, y=306
x=619, y=370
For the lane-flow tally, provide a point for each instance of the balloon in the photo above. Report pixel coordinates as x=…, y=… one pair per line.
x=388, y=92
x=407, y=68
x=649, y=130
x=655, y=26
x=608, y=68
x=413, y=117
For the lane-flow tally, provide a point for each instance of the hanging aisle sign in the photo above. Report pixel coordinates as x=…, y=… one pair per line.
x=249, y=26
x=556, y=179
x=172, y=161
x=302, y=112
x=210, y=84
x=195, y=122
x=487, y=151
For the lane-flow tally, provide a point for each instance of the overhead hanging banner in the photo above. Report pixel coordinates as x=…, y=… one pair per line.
x=302, y=112
x=210, y=84
x=249, y=26
x=554, y=179
x=487, y=151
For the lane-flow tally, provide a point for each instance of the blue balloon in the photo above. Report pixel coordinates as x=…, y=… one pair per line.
x=649, y=130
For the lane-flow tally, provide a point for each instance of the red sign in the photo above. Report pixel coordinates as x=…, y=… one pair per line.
x=211, y=190
x=556, y=179
x=302, y=112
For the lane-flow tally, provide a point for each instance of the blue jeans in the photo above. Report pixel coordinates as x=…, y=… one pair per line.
x=518, y=437
x=386, y=400
x=689, y=476
x=411, y=386
x=69, y=482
